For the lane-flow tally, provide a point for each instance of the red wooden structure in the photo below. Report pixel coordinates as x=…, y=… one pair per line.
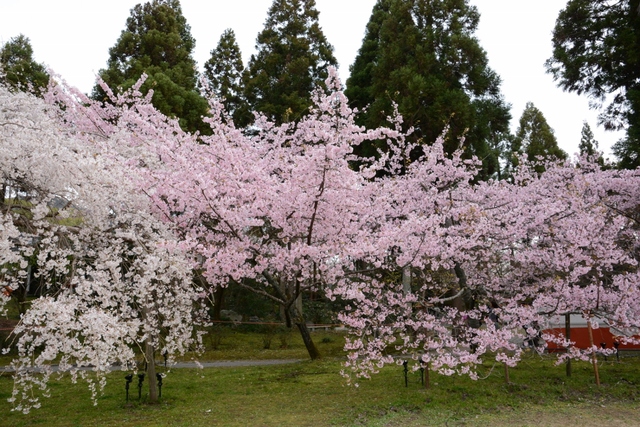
x=603, y=336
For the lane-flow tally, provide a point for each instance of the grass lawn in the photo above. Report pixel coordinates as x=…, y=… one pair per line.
x=314, y=394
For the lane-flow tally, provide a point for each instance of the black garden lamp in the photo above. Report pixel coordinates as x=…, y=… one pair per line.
x=140, y=381
x=406, y=371
x=128, y=379
x=159, y=378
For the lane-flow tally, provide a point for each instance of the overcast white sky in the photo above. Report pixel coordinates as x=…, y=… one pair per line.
x=73, y=38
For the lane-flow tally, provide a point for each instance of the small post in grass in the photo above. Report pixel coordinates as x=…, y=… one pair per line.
x=159, y=378
x=128, y=379
x=140, y=381
x=406, y=371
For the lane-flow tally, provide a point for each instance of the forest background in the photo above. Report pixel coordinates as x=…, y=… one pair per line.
x=515, y=35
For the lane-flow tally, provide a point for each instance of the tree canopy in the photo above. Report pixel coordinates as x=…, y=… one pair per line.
x=595, y=52
x=18, y=68
x=157, y=42
x=113, y=278
x=292, y=58
x=223, y=75
x=535, y=138
x=424, y=57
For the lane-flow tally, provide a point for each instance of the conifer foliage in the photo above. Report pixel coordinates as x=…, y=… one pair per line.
x=223, y=74
x=595, y=52
x=423, y=56
x=588, y=145
x=292, y=58
x=535, y=137
x=157, y=41
x=18, y=68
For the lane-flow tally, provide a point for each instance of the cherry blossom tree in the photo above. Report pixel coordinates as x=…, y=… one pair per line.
x=283, y=211
x=279, y=212
x=573, y=249
x=430, y=264
x=428, y=230
x=114, y=278
x=564, y=241
x=482, y=265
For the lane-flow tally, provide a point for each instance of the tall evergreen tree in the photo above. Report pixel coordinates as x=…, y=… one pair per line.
x=596, y=45
x=423, y=56
x=223, y=74
x=588, y=144
x=292, y=59
x=360, y=82
x=535, y=137
x=157, y=41
x=18, y=69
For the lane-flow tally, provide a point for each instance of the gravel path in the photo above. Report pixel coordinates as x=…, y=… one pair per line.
x=216, y=364
x=235, y=363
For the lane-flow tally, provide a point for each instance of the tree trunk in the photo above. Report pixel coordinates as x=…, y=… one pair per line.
x=406, y=280
x=298, y=304
x=149, y=353
x=150, y=357
x=291, y=310
x=284, y=313
x=298, y=319
x=594, y=358
x=427, y=377
x=218, y=297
